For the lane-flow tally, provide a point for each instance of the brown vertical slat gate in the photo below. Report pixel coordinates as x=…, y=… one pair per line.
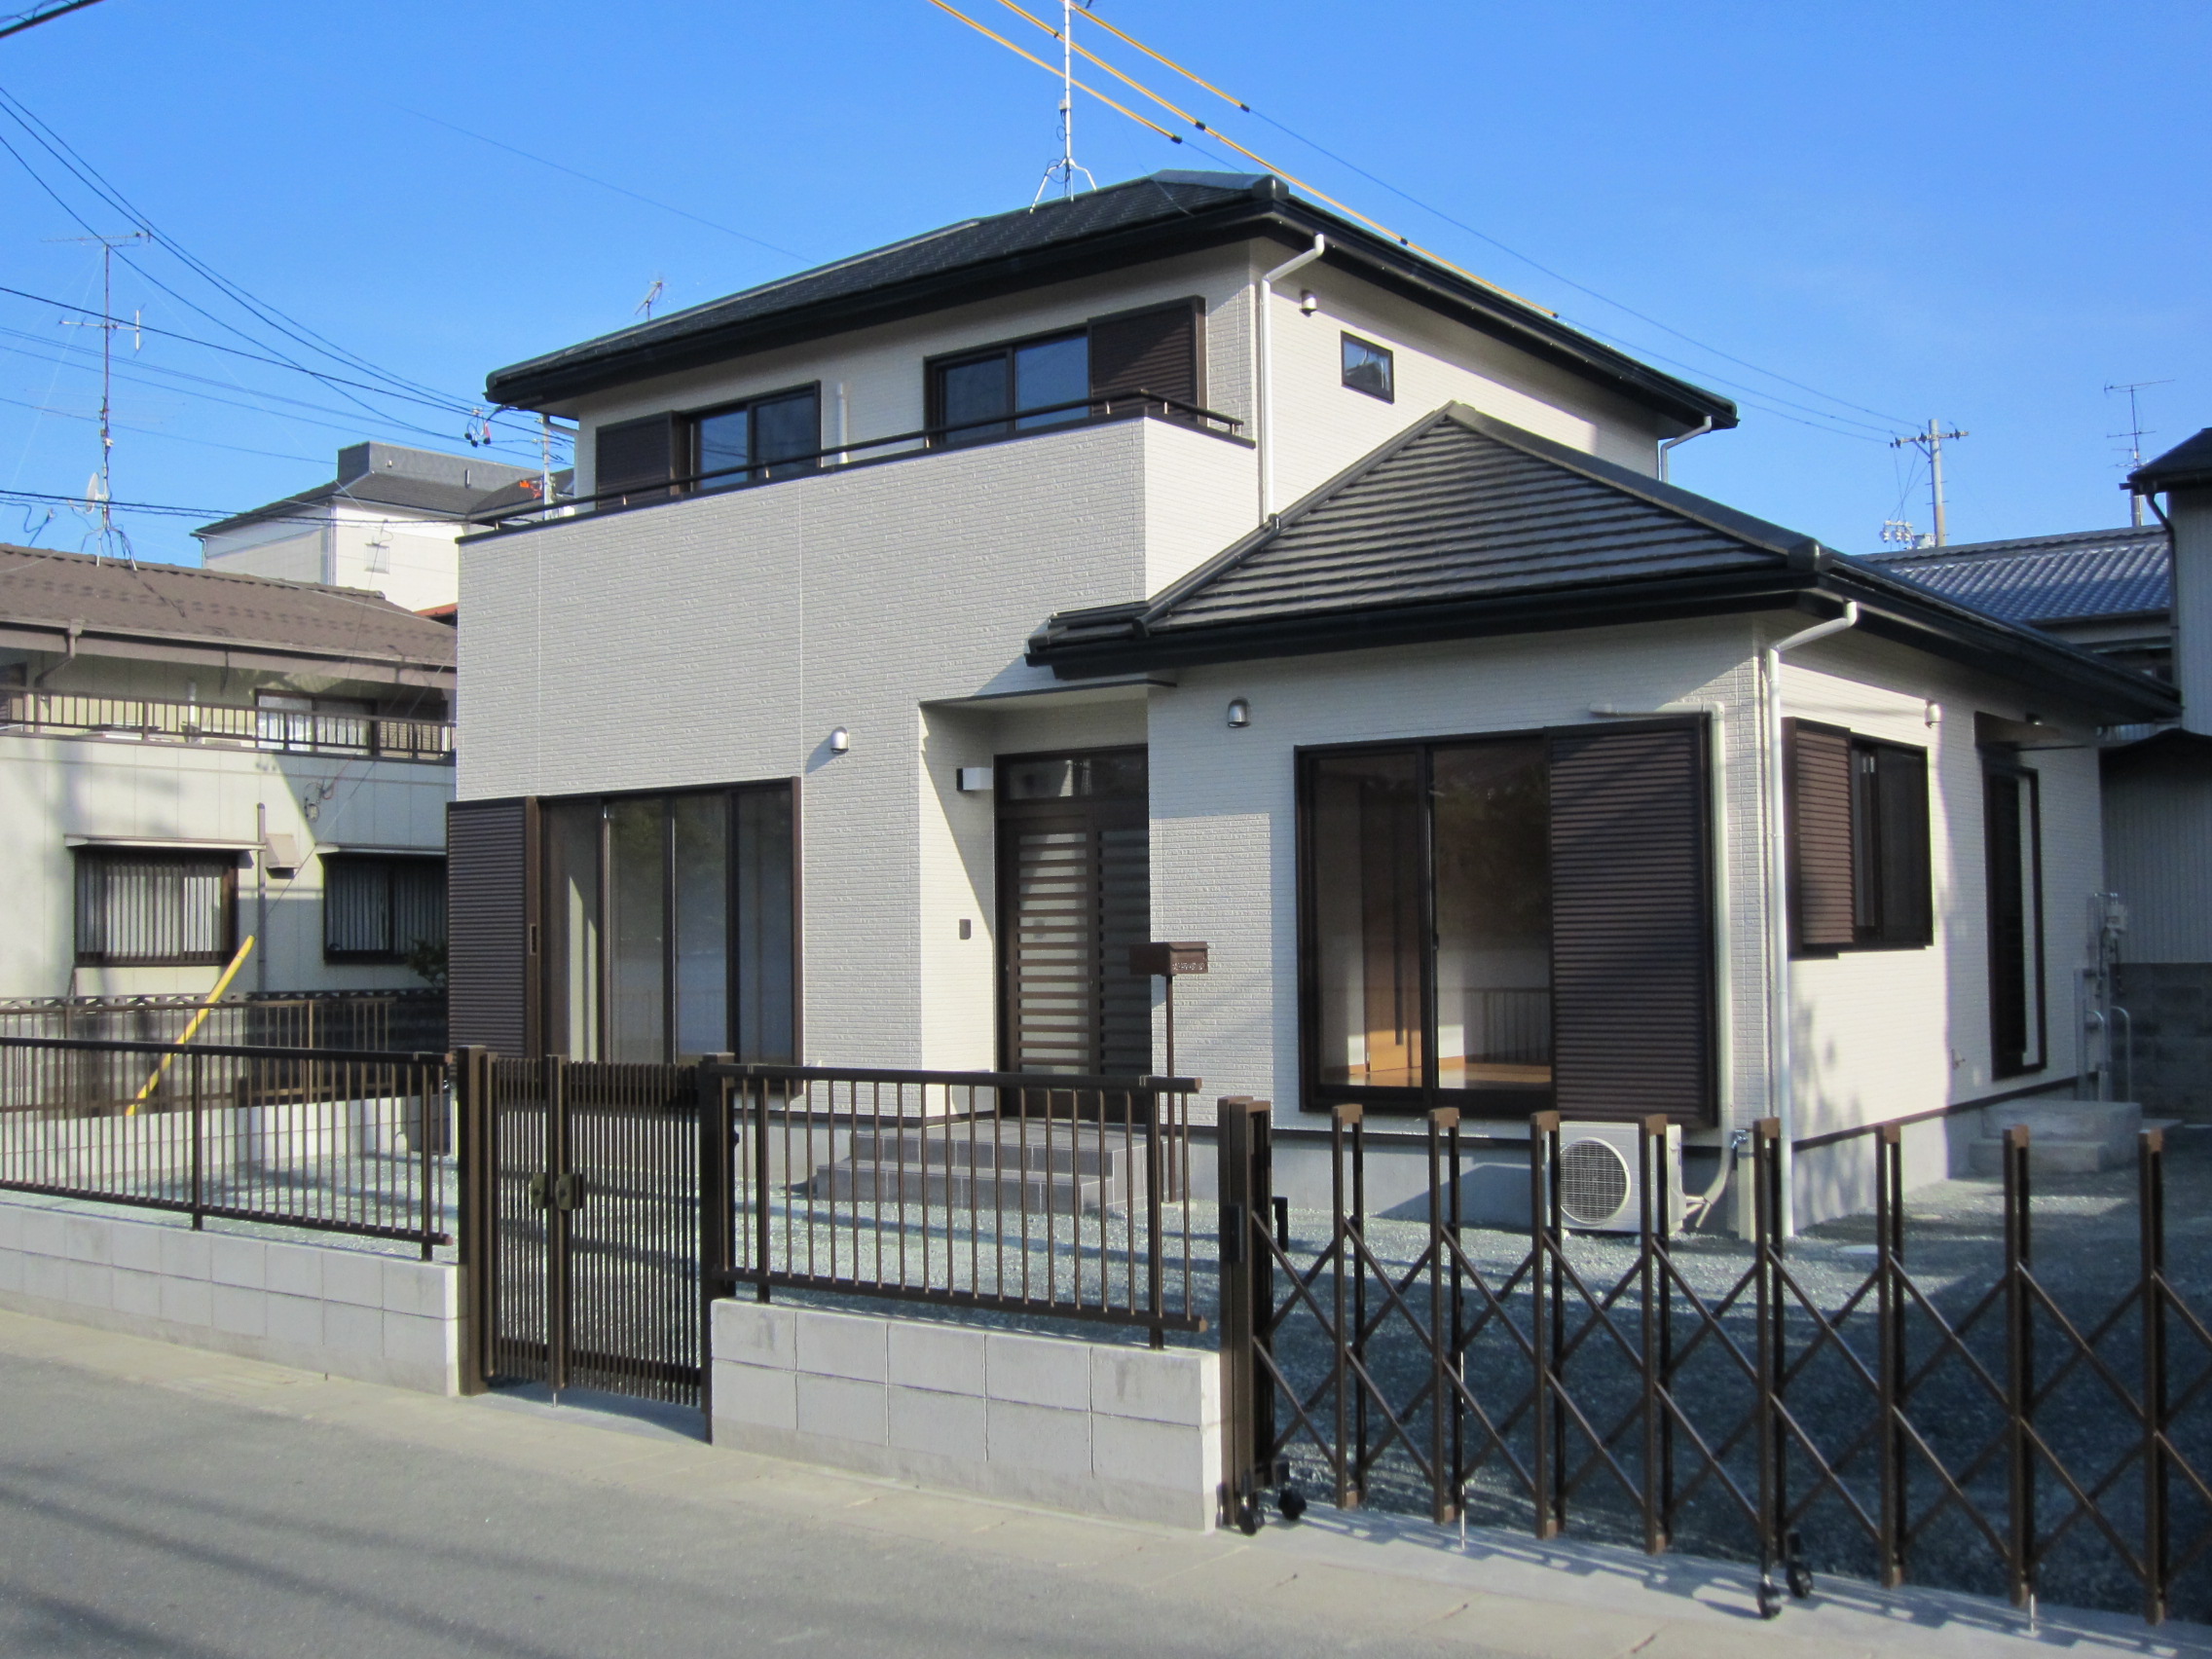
x=584, y=1236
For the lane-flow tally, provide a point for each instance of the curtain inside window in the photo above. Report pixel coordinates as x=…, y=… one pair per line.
x=153, y=909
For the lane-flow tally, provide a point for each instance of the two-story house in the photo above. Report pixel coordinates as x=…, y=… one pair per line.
x=1182, y=561
x=190, y=758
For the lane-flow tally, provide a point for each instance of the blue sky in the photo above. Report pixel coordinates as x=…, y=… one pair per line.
x=1850, y=217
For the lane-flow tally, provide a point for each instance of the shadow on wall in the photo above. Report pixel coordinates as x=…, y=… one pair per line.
x=2171, y=1004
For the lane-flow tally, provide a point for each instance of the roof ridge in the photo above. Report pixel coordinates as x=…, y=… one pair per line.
x=142, y=566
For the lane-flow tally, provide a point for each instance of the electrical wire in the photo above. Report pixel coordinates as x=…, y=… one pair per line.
x=1055, y=73
x=168, y=510
x=156, y=432
x=1890, y=420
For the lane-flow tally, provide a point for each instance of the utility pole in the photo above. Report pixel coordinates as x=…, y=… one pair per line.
x=2135, y=434
x=107, y=325
x=1930, y=444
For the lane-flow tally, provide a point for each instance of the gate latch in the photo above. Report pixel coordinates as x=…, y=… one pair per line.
x=538, y=1192
x=568, y=1192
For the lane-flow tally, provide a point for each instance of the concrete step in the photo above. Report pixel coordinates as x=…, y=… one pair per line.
x=2065, y=1137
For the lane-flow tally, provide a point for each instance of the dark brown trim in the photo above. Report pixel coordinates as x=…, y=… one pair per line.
x=218, y=958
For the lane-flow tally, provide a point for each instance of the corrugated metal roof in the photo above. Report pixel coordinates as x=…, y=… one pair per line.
x=2041, y=579
x=182, y=603
x=1456, y=511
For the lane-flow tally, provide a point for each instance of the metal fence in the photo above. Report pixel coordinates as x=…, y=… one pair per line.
x=329, y=1140
x=1063, y=1196
x=1980, y=1421
x=149, y=720
x=405, y=1021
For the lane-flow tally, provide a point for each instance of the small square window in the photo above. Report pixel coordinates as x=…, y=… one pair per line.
x=1367, y=368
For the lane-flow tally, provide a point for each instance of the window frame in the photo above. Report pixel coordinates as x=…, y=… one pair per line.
x=216, y=958
x=2036, y=1013
x=550, y=977
x=934, y=371
x=1885, y=931
x=1346, y=341
x=694, y=479
x=339, y=858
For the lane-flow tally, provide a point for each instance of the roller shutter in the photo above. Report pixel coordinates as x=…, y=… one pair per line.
x=632, y=457
x=1824, y=908
x=490, y=939
x=1632, y=923
x=1153, y=351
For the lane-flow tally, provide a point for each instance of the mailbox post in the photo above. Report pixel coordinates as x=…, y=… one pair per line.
x=1168, y=961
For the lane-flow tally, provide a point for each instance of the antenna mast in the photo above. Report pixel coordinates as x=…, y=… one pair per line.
x=1930, y=444
x=107, y=325
x=2135, y=434
x=1067, y=167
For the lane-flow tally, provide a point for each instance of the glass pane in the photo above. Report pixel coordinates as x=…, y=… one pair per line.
x=1367, y=877
x=702, y=924
x=765, y=958
x=787, y=427
x=1367, y=368
x=356, y=907
x=418, y=904
x=1052, y=372
x=972, y=398
x=571, y=839
x=724, y=441
x=636, y=929
x=1493, y=915
x=1092, y=777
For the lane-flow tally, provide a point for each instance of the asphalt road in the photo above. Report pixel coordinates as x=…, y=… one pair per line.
x=150, y=1521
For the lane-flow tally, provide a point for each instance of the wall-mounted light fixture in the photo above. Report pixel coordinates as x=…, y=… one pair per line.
x=840, y=741
x=973, y=780
x=1309, y=301
x=1239, y=712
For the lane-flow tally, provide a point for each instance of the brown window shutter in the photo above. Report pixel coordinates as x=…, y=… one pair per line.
x=1151, y=350
x=1631, y=924
x=488, y=924
x=1822, y=891
x=631, y=456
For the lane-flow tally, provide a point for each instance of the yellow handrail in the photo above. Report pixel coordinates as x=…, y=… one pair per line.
x=205, y=1009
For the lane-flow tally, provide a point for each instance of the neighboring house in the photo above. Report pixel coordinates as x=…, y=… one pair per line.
x=931, y=627
x=388, y=523
x=189, y=756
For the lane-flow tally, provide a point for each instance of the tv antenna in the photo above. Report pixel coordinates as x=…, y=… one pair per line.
x=653, y=295
x=102, y=488
x=1930, y=444
x=1067, y=167
x=2135, y=434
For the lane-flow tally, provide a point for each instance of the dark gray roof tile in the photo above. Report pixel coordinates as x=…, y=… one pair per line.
x=2074, y=577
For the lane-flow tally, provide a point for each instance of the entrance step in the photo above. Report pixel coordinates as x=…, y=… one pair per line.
x=1059, y=1168
x=2065, y=1137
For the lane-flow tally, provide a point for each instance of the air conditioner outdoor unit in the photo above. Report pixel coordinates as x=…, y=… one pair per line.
x=1600, y=1188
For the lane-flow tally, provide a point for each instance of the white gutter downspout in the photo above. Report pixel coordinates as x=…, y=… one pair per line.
x=1265, y=372
x=1778, y=905
x=1666, y=445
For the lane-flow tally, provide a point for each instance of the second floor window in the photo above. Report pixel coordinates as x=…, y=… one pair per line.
x=767, y=437
x=380, y=909
x=1012, y=388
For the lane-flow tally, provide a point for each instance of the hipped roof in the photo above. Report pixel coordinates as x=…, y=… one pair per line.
x=1465, y=525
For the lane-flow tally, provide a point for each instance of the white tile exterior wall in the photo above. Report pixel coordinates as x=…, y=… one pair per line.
x=344, y=1313
x=1097, y=1428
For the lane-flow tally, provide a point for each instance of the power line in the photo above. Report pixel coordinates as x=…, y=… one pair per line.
x=166, y=509
x=603, y=184
x=156, y=432
x=38, y=15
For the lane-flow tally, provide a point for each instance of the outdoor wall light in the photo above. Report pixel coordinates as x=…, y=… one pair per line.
x=1239, y=712
x=840, y=741
x=1309, y=301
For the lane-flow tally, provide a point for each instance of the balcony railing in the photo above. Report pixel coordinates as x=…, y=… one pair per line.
x=144, y=719
x=868, y=452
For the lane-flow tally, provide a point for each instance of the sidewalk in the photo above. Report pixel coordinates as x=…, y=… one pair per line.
x=509, y=1526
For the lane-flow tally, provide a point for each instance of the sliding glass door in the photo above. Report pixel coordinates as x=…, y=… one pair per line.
x=670, y=926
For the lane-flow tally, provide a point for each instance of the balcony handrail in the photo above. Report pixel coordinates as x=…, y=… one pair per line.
x=393, y=736
x=1118, y=405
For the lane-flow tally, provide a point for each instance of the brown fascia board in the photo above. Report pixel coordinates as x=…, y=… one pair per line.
x=549, y=380
x=52, y=638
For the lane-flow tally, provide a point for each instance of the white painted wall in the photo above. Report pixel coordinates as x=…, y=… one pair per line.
x=412, y=559
x=56, y=788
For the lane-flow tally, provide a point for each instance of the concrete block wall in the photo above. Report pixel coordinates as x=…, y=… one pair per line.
x=1098, y=1427
x=345, y=1313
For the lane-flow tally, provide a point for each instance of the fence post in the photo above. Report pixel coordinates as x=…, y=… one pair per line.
x=1235, y=1117
x=1652, y=1176
x=1768, y=1176
x=2151, y=1213
x=761, y=1231
x=2019, y=1368
x=1155, y=1269
x=554, y=1072
x=718, y=1216
x=1889, y=1310
x=1341, y=1346
x=472, y=1074
x=1544, y=1320
x=1442, y=1397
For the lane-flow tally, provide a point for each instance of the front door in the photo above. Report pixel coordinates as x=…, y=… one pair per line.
x=1075, y=892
